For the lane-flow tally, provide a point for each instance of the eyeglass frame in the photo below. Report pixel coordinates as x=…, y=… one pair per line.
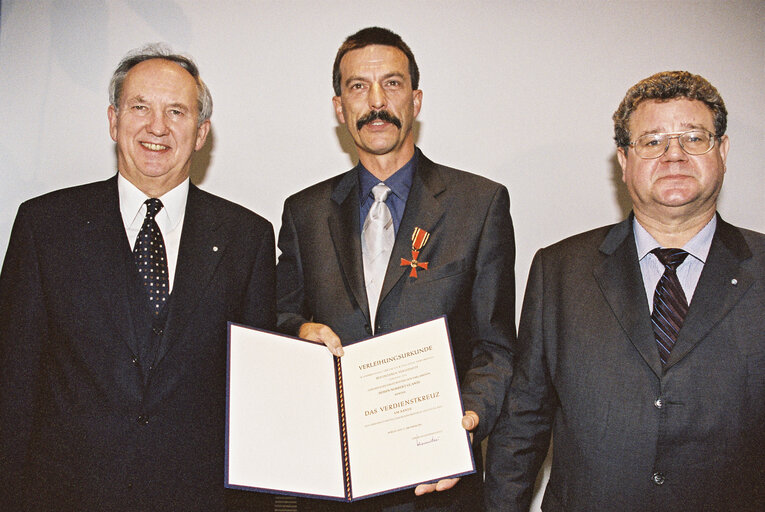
x=675, y=135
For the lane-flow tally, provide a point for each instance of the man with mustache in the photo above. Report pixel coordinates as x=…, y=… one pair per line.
x=347, y=250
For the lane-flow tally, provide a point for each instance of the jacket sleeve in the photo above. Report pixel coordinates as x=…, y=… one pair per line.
x=519, y=442
x=260, y=300
x=23, y=334
x=492, y=316
x=290, y=290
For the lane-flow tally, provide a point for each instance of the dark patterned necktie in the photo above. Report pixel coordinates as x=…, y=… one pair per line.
x=669, y=303
x=151, y=259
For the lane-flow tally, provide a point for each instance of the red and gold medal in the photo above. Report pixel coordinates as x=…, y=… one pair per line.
x=419, y=239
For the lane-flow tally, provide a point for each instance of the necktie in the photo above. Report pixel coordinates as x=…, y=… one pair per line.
x=151, y=259
x=377, y=239
x=669, y=303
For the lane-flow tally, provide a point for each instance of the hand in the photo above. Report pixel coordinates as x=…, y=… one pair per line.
x=469, y=422
x=322, y=333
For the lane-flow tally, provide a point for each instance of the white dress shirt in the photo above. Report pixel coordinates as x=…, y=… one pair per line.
x=169, y=219
x=688, y=272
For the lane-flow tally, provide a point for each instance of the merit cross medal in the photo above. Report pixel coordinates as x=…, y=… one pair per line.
x=419, y=238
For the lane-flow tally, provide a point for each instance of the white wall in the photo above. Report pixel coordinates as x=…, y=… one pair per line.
x=521, y=92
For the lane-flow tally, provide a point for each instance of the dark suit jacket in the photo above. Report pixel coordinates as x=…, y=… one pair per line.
x=629, y=435
x=79, y=430
x=470, y=276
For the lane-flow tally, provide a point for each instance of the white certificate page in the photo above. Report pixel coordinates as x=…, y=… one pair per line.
x=283, y=429
x=402, y=413
x=403, y=410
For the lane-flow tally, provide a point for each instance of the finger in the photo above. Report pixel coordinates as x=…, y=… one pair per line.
x=469, y=420
x=331, y=340
x=424, y=489
x=323, y=334
x=446, y=483
x=441, y=485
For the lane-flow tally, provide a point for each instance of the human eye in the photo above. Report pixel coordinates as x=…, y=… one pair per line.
x=356, y=86
x=696, y=136
x=651, y=141
x=139, y=108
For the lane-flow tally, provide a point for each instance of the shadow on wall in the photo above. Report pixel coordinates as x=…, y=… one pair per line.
x=349, y=147
x=200, y=162
x=621, y=194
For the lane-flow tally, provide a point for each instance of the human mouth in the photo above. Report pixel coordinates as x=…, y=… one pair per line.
x=154, y=147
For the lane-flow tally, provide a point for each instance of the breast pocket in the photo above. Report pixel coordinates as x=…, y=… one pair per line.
x=437, y=291
x=452, y=268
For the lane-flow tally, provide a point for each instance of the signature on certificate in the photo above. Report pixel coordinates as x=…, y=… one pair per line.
x=427, y=439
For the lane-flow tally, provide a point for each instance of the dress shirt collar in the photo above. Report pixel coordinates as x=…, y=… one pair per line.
x=698, y=246
x=133, y=209
x=399, y=182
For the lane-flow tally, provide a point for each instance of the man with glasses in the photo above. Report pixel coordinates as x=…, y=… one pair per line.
x=642, y=344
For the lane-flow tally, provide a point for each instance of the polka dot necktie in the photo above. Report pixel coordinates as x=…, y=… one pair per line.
x=151, y=259
x=669, y=303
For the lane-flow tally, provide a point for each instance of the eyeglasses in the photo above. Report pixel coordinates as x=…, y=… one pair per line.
x=653, y=145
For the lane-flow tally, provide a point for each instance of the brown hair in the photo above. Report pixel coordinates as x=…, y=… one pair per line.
x=368, y=36
x=664, y=86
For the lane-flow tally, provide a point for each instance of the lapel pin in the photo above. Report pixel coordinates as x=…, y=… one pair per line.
x=734, y=281
x=419, y=239
x=215, y=248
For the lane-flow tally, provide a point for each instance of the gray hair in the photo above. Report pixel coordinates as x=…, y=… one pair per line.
x=160, y=51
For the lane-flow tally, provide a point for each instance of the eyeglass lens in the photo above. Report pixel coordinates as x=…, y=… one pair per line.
x=653, y=145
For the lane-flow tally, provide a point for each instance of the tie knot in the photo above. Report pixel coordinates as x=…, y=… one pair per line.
x=380, y=191
x=670, y=258
x=153, y=206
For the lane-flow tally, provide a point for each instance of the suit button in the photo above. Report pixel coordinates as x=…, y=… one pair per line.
x=658, y=478
x=157, y=331
x=368, y=329
x=134, y=361
x=142, y=419
x=659, y=403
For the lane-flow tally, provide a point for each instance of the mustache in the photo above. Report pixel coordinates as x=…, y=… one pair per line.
x=382, y=115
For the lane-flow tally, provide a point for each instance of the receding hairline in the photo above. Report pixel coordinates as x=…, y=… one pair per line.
x=403, y=74
x=193, y=83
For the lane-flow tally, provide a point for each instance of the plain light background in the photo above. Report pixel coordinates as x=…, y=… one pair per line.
x=521, y=92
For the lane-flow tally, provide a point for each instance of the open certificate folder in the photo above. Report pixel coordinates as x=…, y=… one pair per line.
x=386, y=416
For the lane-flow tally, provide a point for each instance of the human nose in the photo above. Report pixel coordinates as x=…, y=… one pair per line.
x=376, y=97
x=157, y=123
x=674, y=150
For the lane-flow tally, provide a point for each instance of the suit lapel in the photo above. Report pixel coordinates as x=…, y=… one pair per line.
x=344, y=228
x=722, y=284
x=111, y=249
x=621, y=282
x=200, y=251
x=423, y=210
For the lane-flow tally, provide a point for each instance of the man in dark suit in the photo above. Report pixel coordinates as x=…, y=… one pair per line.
x=642, y=344
x=327, y=287
x=112, y=390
